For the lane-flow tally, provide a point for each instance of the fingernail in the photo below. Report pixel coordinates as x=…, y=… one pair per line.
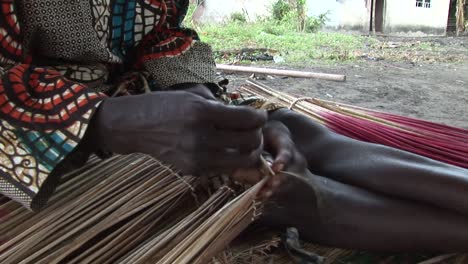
x=279, y=167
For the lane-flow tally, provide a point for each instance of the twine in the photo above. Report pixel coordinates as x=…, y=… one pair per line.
x=257, y=210
x=177, y=176
x=192, y=189
x=229, y=189
x=298, y=100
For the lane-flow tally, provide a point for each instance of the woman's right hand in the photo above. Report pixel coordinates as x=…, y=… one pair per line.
x=286, y=157
x=183, y=129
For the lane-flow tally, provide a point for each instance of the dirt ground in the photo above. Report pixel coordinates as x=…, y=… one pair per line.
x=435, y=90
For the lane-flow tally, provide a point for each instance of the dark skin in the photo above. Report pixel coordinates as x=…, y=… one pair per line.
x=367, y=197
x=375, y=167
x=370, y=196
x=182, y=128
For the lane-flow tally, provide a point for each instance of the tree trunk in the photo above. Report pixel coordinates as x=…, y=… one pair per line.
x=460, y=17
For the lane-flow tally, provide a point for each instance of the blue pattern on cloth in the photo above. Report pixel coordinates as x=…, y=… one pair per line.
x=49, y=149
x=123, y=26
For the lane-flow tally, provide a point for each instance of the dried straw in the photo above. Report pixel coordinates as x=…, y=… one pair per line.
x=127, y=209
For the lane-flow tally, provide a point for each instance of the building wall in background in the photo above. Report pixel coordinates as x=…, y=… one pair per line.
x=403, y=16
x=343, y=14
x=220, y=10
x=399, y=16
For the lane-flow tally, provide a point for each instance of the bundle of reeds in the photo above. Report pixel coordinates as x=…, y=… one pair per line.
x=440, y=142
x=128, y=209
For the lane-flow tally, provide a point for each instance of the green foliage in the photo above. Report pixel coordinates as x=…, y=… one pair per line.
x=238, y=17
x=281, y=10
x=301, y=11
x=314, y=24
x=188, y=17
x=292, y=14
x=295, y=47
x=281, y=33
x=301, y=2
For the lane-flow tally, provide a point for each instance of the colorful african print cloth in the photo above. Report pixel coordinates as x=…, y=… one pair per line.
x=59, y=59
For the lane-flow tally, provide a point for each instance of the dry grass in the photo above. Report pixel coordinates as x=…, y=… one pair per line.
x=128, y=209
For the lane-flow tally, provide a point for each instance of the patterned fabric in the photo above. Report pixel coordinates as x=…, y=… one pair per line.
x=11, y=46
x=60, y=29
x=55, y=55
x=93, y=75
x=195, y=64
x=43, y=118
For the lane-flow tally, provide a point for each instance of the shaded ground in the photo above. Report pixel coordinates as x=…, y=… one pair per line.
x=434, y=89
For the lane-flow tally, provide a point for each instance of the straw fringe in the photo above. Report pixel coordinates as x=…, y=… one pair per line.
x=127, y=209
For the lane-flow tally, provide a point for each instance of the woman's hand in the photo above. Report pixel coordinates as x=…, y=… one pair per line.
x=182, y=128
x=286, y=157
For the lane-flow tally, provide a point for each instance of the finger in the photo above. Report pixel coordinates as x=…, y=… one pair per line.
x=214, y=140
x=276, y=128
x=235, y=117
x=281, y=147
x=266, y=194
x=242, y=141
x=268, y=190
x=228, y=161
x=277, y=180
x=247, y=176
x=253, y=176
x=282, y=159
x=273, y=185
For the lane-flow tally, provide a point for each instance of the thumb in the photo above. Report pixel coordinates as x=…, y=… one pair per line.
x=283, y=157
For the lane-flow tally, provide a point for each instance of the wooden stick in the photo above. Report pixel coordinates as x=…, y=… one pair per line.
x=438, y=259
x=289, y=73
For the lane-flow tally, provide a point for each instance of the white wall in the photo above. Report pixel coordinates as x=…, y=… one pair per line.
x=342, y=14
x=399, y=15
x=403, y=16
x=219, y=10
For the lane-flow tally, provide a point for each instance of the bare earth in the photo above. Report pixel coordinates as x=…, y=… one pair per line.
x=436, y=91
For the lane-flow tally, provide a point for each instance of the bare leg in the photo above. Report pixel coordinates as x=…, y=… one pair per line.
x=335, y=214
x=376, y=167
